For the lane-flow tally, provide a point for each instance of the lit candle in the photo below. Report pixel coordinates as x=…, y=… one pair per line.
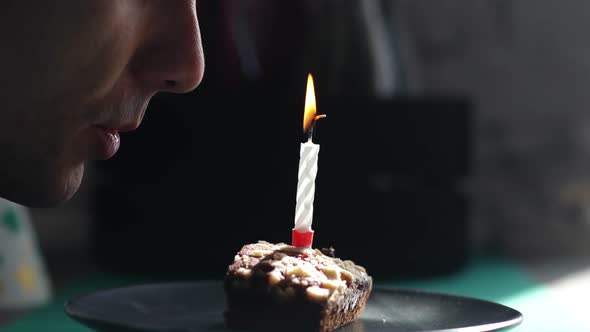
x=302, y=234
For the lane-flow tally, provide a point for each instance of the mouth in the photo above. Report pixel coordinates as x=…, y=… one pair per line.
x=106, y=142
x=106, y=138
x=125, y=127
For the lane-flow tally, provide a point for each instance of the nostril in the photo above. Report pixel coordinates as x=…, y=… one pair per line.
x=170, y=83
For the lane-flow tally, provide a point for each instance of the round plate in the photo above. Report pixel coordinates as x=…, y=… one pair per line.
x=198, y=306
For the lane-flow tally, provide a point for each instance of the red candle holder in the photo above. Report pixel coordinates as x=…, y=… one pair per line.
x=302, y=239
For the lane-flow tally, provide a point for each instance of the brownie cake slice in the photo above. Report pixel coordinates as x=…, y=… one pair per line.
x=282, y=287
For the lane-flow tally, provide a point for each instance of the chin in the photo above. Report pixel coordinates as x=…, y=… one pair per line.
x=70, y=184
x=49, y=190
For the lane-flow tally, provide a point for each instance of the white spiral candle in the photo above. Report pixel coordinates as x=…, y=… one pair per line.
x=308, y=168
x=302, y=234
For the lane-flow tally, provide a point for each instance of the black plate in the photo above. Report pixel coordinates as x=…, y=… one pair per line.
x=198, y=306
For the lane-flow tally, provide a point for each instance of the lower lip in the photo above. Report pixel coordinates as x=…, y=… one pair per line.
x=108, y=143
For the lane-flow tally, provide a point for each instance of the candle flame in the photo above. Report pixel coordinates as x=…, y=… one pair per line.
x=310, y=115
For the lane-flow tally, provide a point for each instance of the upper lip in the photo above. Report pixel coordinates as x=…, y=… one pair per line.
x=120, y=127
x=128, y=123
x=127, y=127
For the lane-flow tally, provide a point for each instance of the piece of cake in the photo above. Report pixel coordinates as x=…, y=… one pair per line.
x=282, y=287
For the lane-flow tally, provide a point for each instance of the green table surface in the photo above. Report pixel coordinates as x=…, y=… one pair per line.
x=497, y=280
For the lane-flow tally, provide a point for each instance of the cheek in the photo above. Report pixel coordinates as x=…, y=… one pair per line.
x=55, y=141
x=47, y=157
x=91, y=82
x=78, y=57
x=89, y=50
x=52, y=129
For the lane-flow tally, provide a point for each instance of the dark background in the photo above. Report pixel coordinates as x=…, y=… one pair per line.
x=479, y=151
x=217, y=168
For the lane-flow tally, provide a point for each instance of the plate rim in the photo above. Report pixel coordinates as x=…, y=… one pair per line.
x=78, y=316
x=82, y=318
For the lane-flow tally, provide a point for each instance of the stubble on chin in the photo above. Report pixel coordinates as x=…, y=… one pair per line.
x=71, y=185
x=43, y=189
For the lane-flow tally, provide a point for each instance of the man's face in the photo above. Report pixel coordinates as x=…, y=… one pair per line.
x=75, y=73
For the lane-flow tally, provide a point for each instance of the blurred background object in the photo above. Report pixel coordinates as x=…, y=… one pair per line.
x=525, y=66
x=24, y=282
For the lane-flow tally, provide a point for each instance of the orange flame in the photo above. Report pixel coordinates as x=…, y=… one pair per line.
x=310, y=115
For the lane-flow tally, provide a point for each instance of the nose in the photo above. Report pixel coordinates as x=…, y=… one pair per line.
x=170, y=59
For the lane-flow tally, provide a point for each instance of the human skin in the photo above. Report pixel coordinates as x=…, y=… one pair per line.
x=76, y=73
